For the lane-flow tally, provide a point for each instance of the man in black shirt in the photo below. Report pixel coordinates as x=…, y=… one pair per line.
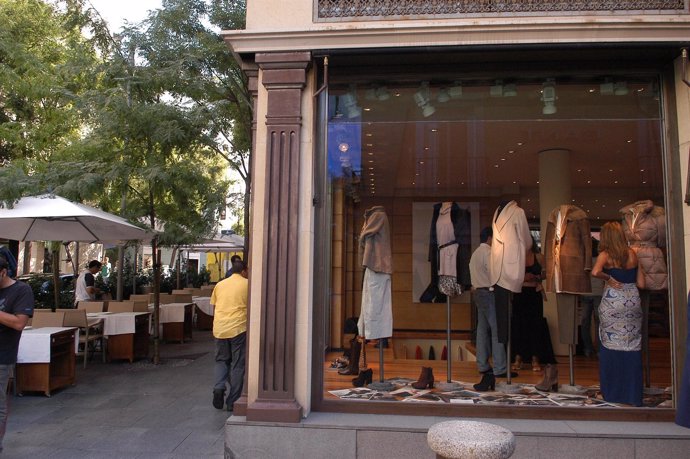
x=16, y=306
x=85, y=288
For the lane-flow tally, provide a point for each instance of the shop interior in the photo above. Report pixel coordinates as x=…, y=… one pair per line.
x=589, y=141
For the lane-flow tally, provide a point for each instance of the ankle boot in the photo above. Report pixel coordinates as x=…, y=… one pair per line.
x=517, y=366
x=426, y=378
x=365, y=377
x=488, y=382
x=550, y=381
x=353, y=366
x=535, y=364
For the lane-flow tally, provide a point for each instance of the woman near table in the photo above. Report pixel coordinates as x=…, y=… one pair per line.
x=620, y=315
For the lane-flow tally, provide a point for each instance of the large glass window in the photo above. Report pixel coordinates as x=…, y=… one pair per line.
x=580, y=148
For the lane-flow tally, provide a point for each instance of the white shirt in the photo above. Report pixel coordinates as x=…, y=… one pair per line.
x=479, y=266
x=80, y=292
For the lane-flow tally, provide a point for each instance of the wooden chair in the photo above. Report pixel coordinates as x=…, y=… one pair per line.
x=143, y=297
x=180, y=292
x=121, y=306
x=141, y=305
x=182, y=297
x=166, y=298
x=91, y=306
x=45, y=318
x=90, y=330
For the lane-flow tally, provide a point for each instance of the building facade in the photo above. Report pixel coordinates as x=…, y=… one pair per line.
x=361, y=104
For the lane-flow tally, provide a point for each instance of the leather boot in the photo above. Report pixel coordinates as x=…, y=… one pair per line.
x=353, y=366
x=365, y=377
x=426, y=379
x=488, y=382
x=550, y=381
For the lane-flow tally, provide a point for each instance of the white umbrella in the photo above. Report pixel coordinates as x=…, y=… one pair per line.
x=52, y=218
x=229, y=243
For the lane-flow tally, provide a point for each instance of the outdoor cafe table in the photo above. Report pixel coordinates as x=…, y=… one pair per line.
x=46, y=359
x=204, y=312
x=127, y=333
x=176, y=321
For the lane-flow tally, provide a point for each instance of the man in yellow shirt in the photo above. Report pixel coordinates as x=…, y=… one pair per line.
x=229, y=299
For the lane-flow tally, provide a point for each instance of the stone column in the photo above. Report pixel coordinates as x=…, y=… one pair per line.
x=284, y=78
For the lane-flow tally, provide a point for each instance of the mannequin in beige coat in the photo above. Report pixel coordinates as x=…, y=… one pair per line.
x=511, y=241
x=568, y=250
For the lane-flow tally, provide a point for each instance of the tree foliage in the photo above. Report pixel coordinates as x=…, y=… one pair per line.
x=148, y=118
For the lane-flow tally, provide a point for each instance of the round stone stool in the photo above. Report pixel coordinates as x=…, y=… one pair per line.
x=470, y=440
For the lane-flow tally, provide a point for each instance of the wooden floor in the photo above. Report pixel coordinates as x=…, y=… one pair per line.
x=586, y=369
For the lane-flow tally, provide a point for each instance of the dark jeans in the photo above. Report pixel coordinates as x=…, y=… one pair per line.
x=229, y=366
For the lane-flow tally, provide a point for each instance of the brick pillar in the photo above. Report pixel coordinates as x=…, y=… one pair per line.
x=284, y=77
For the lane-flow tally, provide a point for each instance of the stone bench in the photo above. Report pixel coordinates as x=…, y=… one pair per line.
x=470, y=440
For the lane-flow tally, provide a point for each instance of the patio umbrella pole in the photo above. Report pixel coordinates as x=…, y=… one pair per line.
x=56, y=275
x=156, y=300
x=120, y=272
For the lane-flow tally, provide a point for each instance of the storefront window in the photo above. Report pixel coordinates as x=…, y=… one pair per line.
x=413, y=165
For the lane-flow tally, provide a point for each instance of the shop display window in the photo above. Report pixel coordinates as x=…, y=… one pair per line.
x=401, y=155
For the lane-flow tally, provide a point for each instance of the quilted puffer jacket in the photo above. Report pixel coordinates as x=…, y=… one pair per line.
x=644, y=225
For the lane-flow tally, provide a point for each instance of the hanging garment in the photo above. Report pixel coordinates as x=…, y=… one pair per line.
x=460, y=252
x=375, y=241
x=510, y=242
x=644, y=225
x=376, y=317
x=568, y=251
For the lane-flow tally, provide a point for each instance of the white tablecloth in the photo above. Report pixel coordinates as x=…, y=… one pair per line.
x=119, y=323
x=204, y=303
x=34, y=345
x=171, y=312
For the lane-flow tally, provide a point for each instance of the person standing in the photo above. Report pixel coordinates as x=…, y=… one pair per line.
x=106, y=269
x=483, y=295
x=86, y=289
x=16, y=306
x=620, y=318
x=229, y=299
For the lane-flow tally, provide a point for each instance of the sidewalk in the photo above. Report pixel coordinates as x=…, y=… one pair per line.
x=123, y=410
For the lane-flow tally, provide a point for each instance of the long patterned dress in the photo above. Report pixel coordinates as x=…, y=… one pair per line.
x=620, y=335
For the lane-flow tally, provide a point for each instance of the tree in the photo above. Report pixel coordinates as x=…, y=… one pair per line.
x=44, y=64
x=182, y=41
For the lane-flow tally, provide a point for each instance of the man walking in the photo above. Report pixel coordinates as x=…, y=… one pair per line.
x=229, y=299
x=16, y=306
x=86, y=283
x=483, y=295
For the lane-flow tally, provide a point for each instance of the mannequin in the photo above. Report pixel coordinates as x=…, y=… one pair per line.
x=510, y=243
x=511, y=240
x=454, y=223
x=644, y=225
x=376, y=316
x=568, y=250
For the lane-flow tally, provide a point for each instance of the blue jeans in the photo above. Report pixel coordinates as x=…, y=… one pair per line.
x=487, y=336
x=590, y=305
x=229, y=366
x=4, y=378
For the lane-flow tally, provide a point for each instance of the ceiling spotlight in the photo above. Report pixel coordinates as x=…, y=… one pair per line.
x=423, y=98
x=497, y=89
x=349, y=100
x=620, y=88
x=423, y=95
x=455, y=91
x=377, y=93
x=606, y=88
x=548, y=96
x=510, y=90
x=443, y=95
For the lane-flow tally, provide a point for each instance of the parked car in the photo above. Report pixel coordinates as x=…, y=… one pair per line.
x=42, y=286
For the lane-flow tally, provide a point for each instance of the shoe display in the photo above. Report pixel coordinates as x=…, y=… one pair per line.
x=518, y=363
x=488, y=382
x=550, y=381
x=218, y=398
x=353, y=366
x=535, y=363
x=365, y=377
x=426, y=379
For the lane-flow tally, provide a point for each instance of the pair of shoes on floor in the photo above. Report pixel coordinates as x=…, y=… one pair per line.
x=218, y=398
x=505, y=375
